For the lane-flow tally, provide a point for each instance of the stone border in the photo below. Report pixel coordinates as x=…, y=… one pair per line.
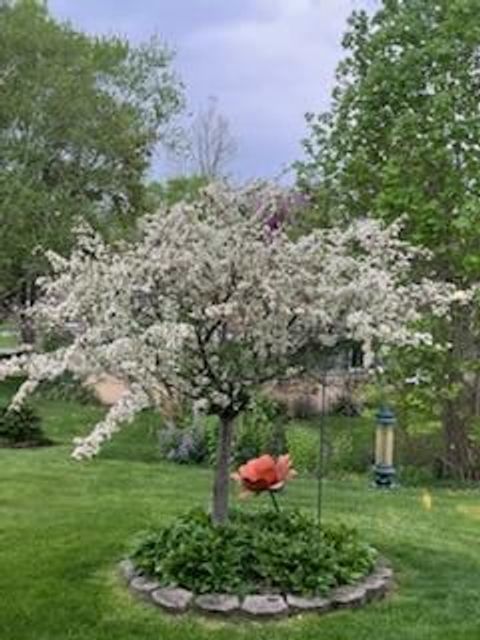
x=259, y=606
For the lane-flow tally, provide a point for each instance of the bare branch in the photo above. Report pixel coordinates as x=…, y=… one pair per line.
x=211, y=146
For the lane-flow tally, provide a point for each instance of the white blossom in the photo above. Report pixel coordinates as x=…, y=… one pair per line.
x=123, y=411
x=205, y=305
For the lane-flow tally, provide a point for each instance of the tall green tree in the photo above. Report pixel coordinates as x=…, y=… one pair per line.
x=80, y=117
x=402, y=138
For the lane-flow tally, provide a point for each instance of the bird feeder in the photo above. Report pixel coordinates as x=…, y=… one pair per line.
x=384, y=441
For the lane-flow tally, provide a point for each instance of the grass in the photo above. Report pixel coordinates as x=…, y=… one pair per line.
x=348, y=443
x=64, y=525
x=8, y=337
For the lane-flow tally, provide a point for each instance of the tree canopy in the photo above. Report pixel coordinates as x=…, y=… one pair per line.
x=403, y=135
x=80, y=117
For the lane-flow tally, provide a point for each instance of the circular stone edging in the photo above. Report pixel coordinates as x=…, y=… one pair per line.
x=176, y=600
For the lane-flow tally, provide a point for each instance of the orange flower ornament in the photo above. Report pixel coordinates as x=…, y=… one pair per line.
x=265, y=473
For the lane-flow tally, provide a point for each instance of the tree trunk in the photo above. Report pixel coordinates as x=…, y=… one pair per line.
x=459, y=461
x=222, y=479
x=459, y=412
x=462, y=455
x=27, y=331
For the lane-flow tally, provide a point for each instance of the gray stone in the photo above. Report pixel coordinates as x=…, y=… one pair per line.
x=383, y=567
x=262, y=606
x=349, y=597
x=127, y=570
x=384, y=573
x=301, y=605
x=375, y=587
x=218, y=603
x=172, y=599
x=143, y=585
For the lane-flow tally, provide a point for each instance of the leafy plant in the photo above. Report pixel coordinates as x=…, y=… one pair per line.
x=260, y=429
x=303, y=448
x=254, y=552
x=21, y=426
x=184, y=445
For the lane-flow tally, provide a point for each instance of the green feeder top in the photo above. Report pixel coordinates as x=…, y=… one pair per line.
x=386, y=417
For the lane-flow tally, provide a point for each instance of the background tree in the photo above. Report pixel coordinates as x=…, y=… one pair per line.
x=79, y=119
x=209, y=304
x=402, y=139
x=208, y=145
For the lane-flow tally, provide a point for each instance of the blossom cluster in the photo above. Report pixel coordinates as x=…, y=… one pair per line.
x=203, y=306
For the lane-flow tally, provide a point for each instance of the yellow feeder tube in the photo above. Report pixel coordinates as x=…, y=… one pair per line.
x=384, y=446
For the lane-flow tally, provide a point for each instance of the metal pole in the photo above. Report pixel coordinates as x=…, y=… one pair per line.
x=321, y=456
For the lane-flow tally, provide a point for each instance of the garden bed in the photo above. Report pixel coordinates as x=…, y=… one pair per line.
x=261, y=564
x=176, y=600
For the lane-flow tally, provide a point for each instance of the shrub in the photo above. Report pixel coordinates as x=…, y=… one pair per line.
x=420, y=455
x=302, y=444
x=260, y=429
x=21, y=426
x=254, y=552
x=186, y=445
x=351, y=444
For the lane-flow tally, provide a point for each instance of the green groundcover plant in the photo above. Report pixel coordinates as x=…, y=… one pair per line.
x=254, y=552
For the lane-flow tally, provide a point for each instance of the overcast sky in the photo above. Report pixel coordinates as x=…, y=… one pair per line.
x=267, y=61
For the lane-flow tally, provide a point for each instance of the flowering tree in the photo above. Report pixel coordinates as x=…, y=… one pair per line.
x=209, y=303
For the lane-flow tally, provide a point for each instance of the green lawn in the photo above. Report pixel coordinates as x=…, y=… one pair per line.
x=64, y=525
x=8, y=337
